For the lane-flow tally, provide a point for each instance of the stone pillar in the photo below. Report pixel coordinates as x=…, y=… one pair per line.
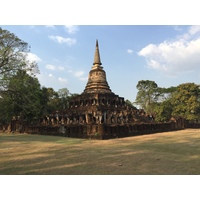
x=101, y=130
x=104, y=117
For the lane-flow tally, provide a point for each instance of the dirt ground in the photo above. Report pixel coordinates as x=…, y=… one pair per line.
x=169, y=153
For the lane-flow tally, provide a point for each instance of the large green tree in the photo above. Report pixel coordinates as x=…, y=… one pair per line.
x=163, y=107
x=13, y=54
x=155, y=100
x=13, y=57
x=23, y=98
x=20, y=92
x=147, y=94
x=186, y=101
x=63, y=95
x=163, y=111
x=56, y=100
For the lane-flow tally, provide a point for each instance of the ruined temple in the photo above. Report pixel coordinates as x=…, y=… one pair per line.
x=98, y=112
x=97, y=103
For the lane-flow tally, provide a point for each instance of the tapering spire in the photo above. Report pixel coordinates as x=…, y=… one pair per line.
x=97, y=82
x=97, y=55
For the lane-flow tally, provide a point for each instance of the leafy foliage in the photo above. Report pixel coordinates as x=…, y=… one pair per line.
x=147, y=94
x=186, y=101
x=13, y=55
x=128, y=103
x=163, y=111
x=22, y=97
x=163, y=103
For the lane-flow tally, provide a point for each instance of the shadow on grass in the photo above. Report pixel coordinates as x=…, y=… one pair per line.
x=158, y=154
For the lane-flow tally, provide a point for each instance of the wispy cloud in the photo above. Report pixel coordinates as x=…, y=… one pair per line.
x=181, y=54
x=194, y=30
x=129, y=51
x=51, y=76
x=54, y=68
x=63, y=40
x=35, y=28
x=83, y=78
x=50, y=26
x=71, y=29
x=50, y=80
x=62, y=80
x=177, y=28
x=33, y=57
x=78, y=73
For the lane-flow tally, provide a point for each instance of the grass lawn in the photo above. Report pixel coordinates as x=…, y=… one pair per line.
x=169, y=153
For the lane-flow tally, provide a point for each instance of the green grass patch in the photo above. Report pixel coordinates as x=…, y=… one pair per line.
x=170, y=153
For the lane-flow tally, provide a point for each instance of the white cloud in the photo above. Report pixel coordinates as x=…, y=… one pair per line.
x=62, y=80
x=129, y=51
x=50, y=67
x=33, y=57
x=61, y=68
x=171, y=57
x=53, y=67
x=194, y=29
x=49, y=80
x=83, y=78
x=51, y=26
x=71, y=29
x=51, y=75
x=78, y=73
x=177, y=28
x=61, y=40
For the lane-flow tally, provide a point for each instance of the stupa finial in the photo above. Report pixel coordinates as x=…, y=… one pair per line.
x=97, y=60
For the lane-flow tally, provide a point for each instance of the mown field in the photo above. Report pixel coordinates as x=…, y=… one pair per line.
x=169, y=153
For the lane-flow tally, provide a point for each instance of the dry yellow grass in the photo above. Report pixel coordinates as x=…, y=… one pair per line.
x=170, y=153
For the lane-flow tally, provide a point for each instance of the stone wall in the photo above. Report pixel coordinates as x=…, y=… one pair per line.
x=99, y=131
x=102, y=131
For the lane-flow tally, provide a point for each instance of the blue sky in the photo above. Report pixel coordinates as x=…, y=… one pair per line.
x=168, y=55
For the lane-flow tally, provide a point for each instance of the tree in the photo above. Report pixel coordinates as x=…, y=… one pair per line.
x=13, y=56
x=163, y=111
x=163, y=107
x=147, y=94
x=130, y=104
x=186, y=101
x=63, y=95
x=55, y=100
x=51, y=97
x=23, y=98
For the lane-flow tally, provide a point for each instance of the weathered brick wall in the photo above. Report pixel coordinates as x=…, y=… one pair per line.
x=100, y=131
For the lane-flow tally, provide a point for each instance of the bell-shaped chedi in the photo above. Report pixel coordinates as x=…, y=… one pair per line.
x=97, y=112
x=97, y=82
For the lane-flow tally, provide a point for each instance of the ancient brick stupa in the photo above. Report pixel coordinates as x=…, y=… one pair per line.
x=98, y=113
x=97, y=82
x=97, y=108
x=97, y=104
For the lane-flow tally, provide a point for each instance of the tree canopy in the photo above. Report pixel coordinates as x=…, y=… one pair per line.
x=22, y=97
x=147, y=94
x=164, y=103
x=13, y=54
x=186, y=101
x=21, y=94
